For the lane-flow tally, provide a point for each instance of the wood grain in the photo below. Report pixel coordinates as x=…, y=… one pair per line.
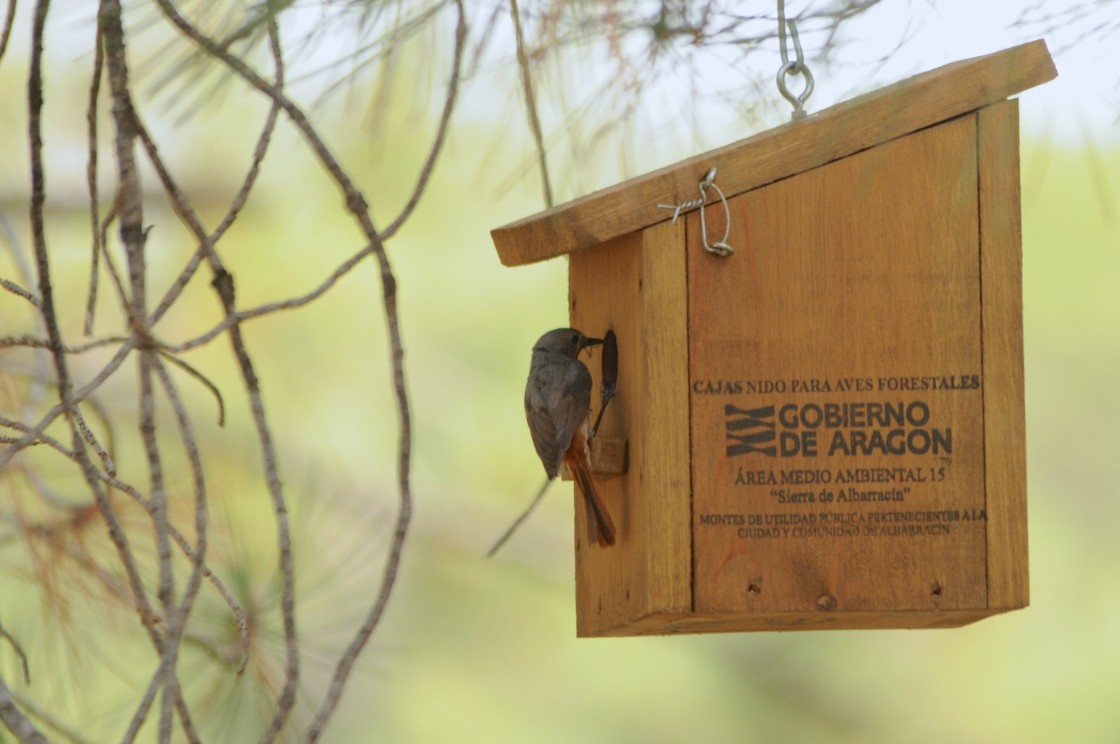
x=1002, y=315
x=636, y=286
x=865, y=269
x=709, y=622
x=833, y=133
x=608, y=457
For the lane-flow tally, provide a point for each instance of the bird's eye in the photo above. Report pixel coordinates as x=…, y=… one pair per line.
x=575, y=339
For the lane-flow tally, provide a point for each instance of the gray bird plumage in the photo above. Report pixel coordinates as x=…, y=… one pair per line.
x=558, y=394
x=557, y=407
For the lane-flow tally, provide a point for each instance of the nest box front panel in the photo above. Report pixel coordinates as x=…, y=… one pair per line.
x=836, y=393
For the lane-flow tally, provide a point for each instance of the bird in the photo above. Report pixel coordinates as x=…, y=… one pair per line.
x=557, y=408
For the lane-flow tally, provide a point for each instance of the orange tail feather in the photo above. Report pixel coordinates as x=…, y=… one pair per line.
x=602, y=528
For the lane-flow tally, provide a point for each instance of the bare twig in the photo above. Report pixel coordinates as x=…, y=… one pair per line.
x=91, y=440
x=243, y=315
x=177, y=616
x=531, y=102
x=392, y=565
x=68, y=404
x=441, y=129
x=47, y=719
x=190, y=370
x=166, y=674
x=242, y=196
x=103, y=239
x=190, y=553
x=357, y=205
x=91, y=180
x=19, y=291
x=224, y=286
x=112, y=37
x=44, y=343
x=9, y=18
x=19, y=652
x=12, y=717
x=76, y=397
x=46, y=295
x=520, y=519
x=263, y=140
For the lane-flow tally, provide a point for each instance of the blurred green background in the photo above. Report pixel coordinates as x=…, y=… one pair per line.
x=476, y=650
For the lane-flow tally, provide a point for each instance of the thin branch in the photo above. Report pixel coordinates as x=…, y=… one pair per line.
x=33, y=342
x=191, y=555
x=9, y=18
x=129, y=204
x=177, y=616
x=91, y=440
x=441, y=130
x=263, y=140
x=91, y=180
x=48, y=720
x=130, y=207
x=223, y=284
x=520, y=519
x=19, y=291
x=46, y=295
x=103, y=237
x=392, y=564
x=166, y=674
x=12, y=717
x=358, y=207
x=105, y=454
x=531, y=103
x=193, y=372
x=77, y=397
x=242, y=196
x=133, y=237
x=243, y=315
x=145, y=706
x=132, y=233
x=19, y=652
x=186, y=431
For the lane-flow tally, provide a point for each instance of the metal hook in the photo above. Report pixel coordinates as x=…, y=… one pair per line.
x=796, y=67
x=798, y=102
x=720, y=247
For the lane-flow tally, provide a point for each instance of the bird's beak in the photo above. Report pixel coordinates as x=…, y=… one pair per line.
x=588, y=341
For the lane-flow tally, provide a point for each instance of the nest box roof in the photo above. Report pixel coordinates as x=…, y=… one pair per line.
x=778, y=153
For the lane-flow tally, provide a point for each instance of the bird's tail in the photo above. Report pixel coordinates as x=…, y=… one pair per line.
x=602, y=528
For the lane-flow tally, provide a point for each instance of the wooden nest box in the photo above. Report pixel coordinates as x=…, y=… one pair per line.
x=825, y=427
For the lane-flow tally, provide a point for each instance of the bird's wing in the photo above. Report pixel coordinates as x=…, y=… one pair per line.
x=543, y=430
x=556, y=404
x=570, y=411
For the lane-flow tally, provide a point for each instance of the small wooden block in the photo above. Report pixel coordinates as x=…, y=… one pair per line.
x=608, y=457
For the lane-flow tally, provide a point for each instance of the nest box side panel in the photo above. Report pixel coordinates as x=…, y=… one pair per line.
x=837, y=403
x=1002, y=314
x=635, y=285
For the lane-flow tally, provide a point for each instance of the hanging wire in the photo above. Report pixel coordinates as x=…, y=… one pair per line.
x=796, y=67
x=720, y=247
